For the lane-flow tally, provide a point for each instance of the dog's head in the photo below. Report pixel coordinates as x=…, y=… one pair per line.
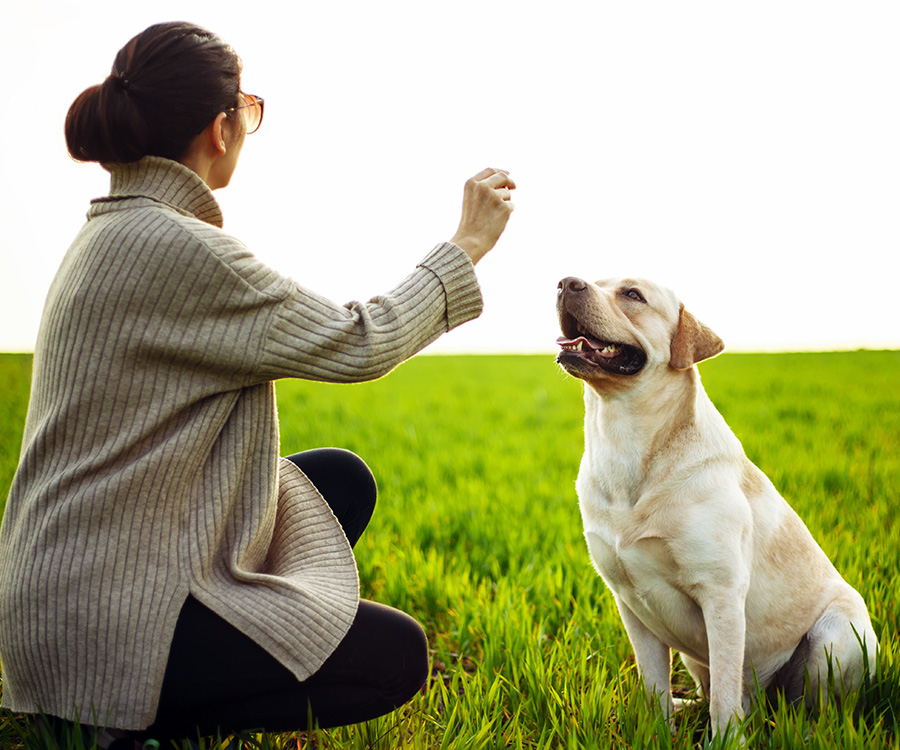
x=617, y=330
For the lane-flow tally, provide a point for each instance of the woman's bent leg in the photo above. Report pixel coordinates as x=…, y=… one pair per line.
x=346, y=483
x=218, y=680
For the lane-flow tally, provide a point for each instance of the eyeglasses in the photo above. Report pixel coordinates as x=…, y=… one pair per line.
x=253, y=111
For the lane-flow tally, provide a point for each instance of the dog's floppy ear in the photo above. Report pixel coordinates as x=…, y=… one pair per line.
x=693, y=342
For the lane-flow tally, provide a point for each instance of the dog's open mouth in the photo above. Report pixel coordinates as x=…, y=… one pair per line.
x=579, y=347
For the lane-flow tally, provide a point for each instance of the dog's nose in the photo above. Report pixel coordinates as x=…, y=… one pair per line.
x=571, y=284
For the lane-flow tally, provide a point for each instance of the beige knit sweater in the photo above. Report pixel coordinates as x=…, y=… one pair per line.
x=149, y=467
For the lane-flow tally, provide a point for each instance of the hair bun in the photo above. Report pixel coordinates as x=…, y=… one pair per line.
x=105, y=124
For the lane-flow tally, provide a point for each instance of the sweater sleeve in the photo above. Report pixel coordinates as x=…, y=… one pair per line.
x=313, y=338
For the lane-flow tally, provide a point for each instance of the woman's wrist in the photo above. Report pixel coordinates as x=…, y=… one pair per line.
x=470, y=246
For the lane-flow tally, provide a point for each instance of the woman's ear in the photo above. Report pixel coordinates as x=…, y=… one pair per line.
x=217, y=133
x=693, y=342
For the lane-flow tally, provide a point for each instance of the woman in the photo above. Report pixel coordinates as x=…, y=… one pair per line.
x=162, y=572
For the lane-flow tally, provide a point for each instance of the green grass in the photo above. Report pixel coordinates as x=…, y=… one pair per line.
x=478, y=535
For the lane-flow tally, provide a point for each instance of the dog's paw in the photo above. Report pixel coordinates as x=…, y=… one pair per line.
x=680, y=703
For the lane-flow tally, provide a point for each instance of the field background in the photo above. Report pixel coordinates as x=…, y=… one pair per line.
x=478, y=535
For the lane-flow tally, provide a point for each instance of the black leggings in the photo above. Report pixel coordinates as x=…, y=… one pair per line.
x=219, y=680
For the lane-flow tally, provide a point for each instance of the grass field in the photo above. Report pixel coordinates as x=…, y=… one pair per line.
x=478, y=535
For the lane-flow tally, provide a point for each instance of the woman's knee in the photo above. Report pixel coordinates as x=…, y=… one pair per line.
x=415, y=665
x=401, y=650
x=387, y=646
x=346, y=483
x=336, y=469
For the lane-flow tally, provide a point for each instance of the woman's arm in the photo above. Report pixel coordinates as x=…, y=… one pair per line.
x=315, y=339
x=208, y=304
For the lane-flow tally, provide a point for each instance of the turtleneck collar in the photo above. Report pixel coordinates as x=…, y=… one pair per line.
x=163, y=181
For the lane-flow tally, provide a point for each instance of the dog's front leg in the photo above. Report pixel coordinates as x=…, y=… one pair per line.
x=724, y=617
x=653, y=657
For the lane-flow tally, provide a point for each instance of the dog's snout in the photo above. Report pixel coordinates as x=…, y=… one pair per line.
x=571, y=284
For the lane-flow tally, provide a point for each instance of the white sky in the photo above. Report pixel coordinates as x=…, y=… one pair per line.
x=745, y=154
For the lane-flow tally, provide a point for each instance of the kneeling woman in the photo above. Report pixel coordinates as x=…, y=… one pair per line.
x=163, y=573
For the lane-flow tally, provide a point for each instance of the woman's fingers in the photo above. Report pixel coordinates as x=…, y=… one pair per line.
x=486, y=173
x=499, y=178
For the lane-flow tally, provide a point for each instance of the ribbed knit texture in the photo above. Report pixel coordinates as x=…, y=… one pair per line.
x=149, y=466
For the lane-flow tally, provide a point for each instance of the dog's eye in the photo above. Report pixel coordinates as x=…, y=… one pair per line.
x=634, y=294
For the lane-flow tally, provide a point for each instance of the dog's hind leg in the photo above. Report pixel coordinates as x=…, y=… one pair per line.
x=842, y=644
x=833, y=655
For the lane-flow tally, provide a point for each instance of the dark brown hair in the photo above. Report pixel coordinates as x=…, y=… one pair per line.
x=166, y=85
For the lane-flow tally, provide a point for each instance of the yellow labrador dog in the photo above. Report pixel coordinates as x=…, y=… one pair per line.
x=700, y=551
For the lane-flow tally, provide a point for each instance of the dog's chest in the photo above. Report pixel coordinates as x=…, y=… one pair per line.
x=625, y=547
x=631, y=555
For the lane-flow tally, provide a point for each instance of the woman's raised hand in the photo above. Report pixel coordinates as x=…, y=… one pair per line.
x=486, y=209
